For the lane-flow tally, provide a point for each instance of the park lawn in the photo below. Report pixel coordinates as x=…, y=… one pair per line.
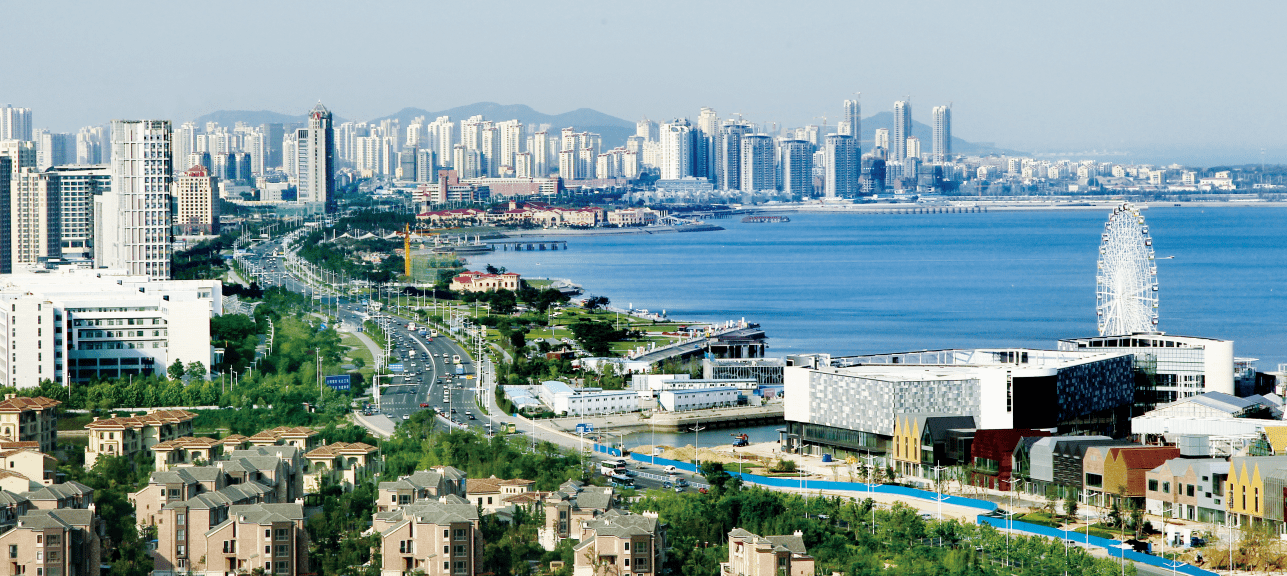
x=356, y=349
x=539, y=283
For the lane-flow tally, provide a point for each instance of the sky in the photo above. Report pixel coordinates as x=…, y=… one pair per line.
x=1037, y=76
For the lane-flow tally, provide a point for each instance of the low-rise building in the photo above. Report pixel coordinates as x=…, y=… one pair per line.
x=619, y=543
x=53, y=543
x=195, y=487
x=992, y=455
x=752, y=555
x=1056, y=461
x=24, y=419
x=24, y=462
x=563, y=399
x=569, y=508
x=127, y=436
x=12, y=507
x=187, y=451
x=420, y=486
x=1248, y=489
x=1113, y=473
x=341, y=463
x=68, y=495
x=921, y=442
x=432, y=537
x=278, y=467
x=698, y=398
x=492, y=494
x=470, y=281
x=1188, y=489
x=298, y=436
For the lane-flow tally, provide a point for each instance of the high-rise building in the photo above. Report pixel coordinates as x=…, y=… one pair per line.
x=426, y=165
x=15, y=123
x=36, y=217
x=853, y=115
x=704, y=144
x=882, y=139
x=196, y=203
x=91, y=145
x=646, y=129
x=942, y=133
x=185, y=143
x=728, y=170
x=902, y=130
x=77, y=187
x=445, y=131
x=540, y=149
x=676, y=149
x=54, y=149
x=842, y=166
x=6, y=215
x=569, y=165
x=316, y=149
x=132, y=220
x=796, y=166
x=757, y=163
x=913, y=147
x=523, y=165
x=273, y=134
x=510, y=135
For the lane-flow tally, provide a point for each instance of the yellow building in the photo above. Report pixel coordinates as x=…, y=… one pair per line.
x=1247, y=499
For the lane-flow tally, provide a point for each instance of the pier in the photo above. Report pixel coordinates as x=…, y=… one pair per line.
x=927, y=210
x=716, y=418
x=529, y=245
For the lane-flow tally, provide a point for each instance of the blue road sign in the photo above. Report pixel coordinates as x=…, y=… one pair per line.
x=340, y=383
x=395, y=367
x=584, y=428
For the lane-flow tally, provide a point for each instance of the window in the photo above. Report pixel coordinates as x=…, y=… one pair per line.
x=1152, y=485
x=1189, y=490
x=1166, y=487
x=627, y=546
x=1094, y=480
x=281, y=533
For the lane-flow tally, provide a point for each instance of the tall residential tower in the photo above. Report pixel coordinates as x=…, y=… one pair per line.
x=132, y=220
x=902, y=130
x=942, y=133
x=316, y=150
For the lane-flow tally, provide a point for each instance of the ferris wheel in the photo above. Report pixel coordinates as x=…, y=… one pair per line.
x=1126, y=279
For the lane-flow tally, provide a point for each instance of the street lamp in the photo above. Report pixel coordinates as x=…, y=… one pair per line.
x=938, y=485
x=1123, y=547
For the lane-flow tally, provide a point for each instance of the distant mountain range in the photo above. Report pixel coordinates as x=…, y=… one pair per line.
x=613, y=130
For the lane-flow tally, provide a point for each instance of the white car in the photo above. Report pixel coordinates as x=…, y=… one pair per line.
x=670, y=470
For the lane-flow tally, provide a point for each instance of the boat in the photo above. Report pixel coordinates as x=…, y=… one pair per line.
x=765, y=219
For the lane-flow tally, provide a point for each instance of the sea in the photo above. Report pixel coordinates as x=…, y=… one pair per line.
x=849, y=284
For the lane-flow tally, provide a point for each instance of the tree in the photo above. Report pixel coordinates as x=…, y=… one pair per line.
x=1070, y=505
x=197, y=370
x=176, y=370
x=518, y=339
x=492, y=269
x=596, y=302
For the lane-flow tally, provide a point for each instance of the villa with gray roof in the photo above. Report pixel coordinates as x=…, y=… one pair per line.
x=752, y=555
x=54, y=543
x=422, y=485
x=569, y=508
x=206, y=536
x=617, y=543
x=435, y=537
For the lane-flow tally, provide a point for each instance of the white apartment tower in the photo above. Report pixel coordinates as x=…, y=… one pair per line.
x=902, y=130
x=842, y=166
x=942, y=133
x=316, y=150
x=882, y=139
x=704, y=144
x=132, y=220
x=676, y=150
x=757, y=163
x=797, y=168
x=540, y=149
x=728, y=171
x=15, y=123
x=646, y=129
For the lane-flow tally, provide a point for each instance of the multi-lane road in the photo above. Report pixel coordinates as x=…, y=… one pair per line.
x=428, y=380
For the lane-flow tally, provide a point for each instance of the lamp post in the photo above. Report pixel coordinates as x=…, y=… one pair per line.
x=871, y=487
x=1123, y=547
x=938, y=485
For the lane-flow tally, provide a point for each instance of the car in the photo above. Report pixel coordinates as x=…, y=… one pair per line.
x=670, y=469
x=406, y=416
x=453, y=410
x=424, y=404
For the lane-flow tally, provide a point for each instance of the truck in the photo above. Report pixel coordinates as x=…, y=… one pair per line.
x=411, y=353
x=740, y=440
x=460, y=369
x=422, y=332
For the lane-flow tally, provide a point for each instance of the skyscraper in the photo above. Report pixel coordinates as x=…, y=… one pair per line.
x=15, y=123
x=853, y=115
x=676, y=149
x=882, y=139
x=316, y=149
x=196, y=203
x=647, y=129
x=942, y=133
x=6, y=215
x=272, y=134
x=901, y=131
x=913, y=147
x=842, y=166
x=132, y=220
x=77, y=187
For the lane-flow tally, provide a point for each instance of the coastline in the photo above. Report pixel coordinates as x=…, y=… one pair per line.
x=548, y=232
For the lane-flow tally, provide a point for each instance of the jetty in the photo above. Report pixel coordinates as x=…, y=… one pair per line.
x=742, y=417
x=529, y=245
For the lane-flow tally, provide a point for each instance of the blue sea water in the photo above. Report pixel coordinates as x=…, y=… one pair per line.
x=852, y=284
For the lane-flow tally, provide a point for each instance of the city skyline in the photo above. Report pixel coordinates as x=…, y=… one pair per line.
x=1006, y=86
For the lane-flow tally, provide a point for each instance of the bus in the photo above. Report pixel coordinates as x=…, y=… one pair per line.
x=621, y=481
x=455, y=358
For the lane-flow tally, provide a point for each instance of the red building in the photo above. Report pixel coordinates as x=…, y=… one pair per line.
x=992, y=456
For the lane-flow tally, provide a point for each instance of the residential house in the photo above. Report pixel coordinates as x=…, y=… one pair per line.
x=493, y=493
x=569, y=508
x=12, y=507
x=72, y=495
x=751, y=555
x=26, y=462
x=1251, y=479
x=422, y=485
x=187, y=451
x=209, y=535
x=24, y=419
x=53, y=543
x=279, y=467
x=435, y=537
x=619, y=543
x=340, y=463
x=298, y=436
x=128, y=435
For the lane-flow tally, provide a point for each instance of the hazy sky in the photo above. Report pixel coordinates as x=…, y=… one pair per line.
x=1023, y=74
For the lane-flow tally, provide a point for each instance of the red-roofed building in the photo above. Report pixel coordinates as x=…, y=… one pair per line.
x=470, y=281
x=24, y=419
x=1122, y=470
x=196, y=199
x=992, y=454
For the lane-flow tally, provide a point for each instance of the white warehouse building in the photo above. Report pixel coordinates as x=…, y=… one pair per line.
x=563, y=399
x=70, y=325
x=698, y=398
